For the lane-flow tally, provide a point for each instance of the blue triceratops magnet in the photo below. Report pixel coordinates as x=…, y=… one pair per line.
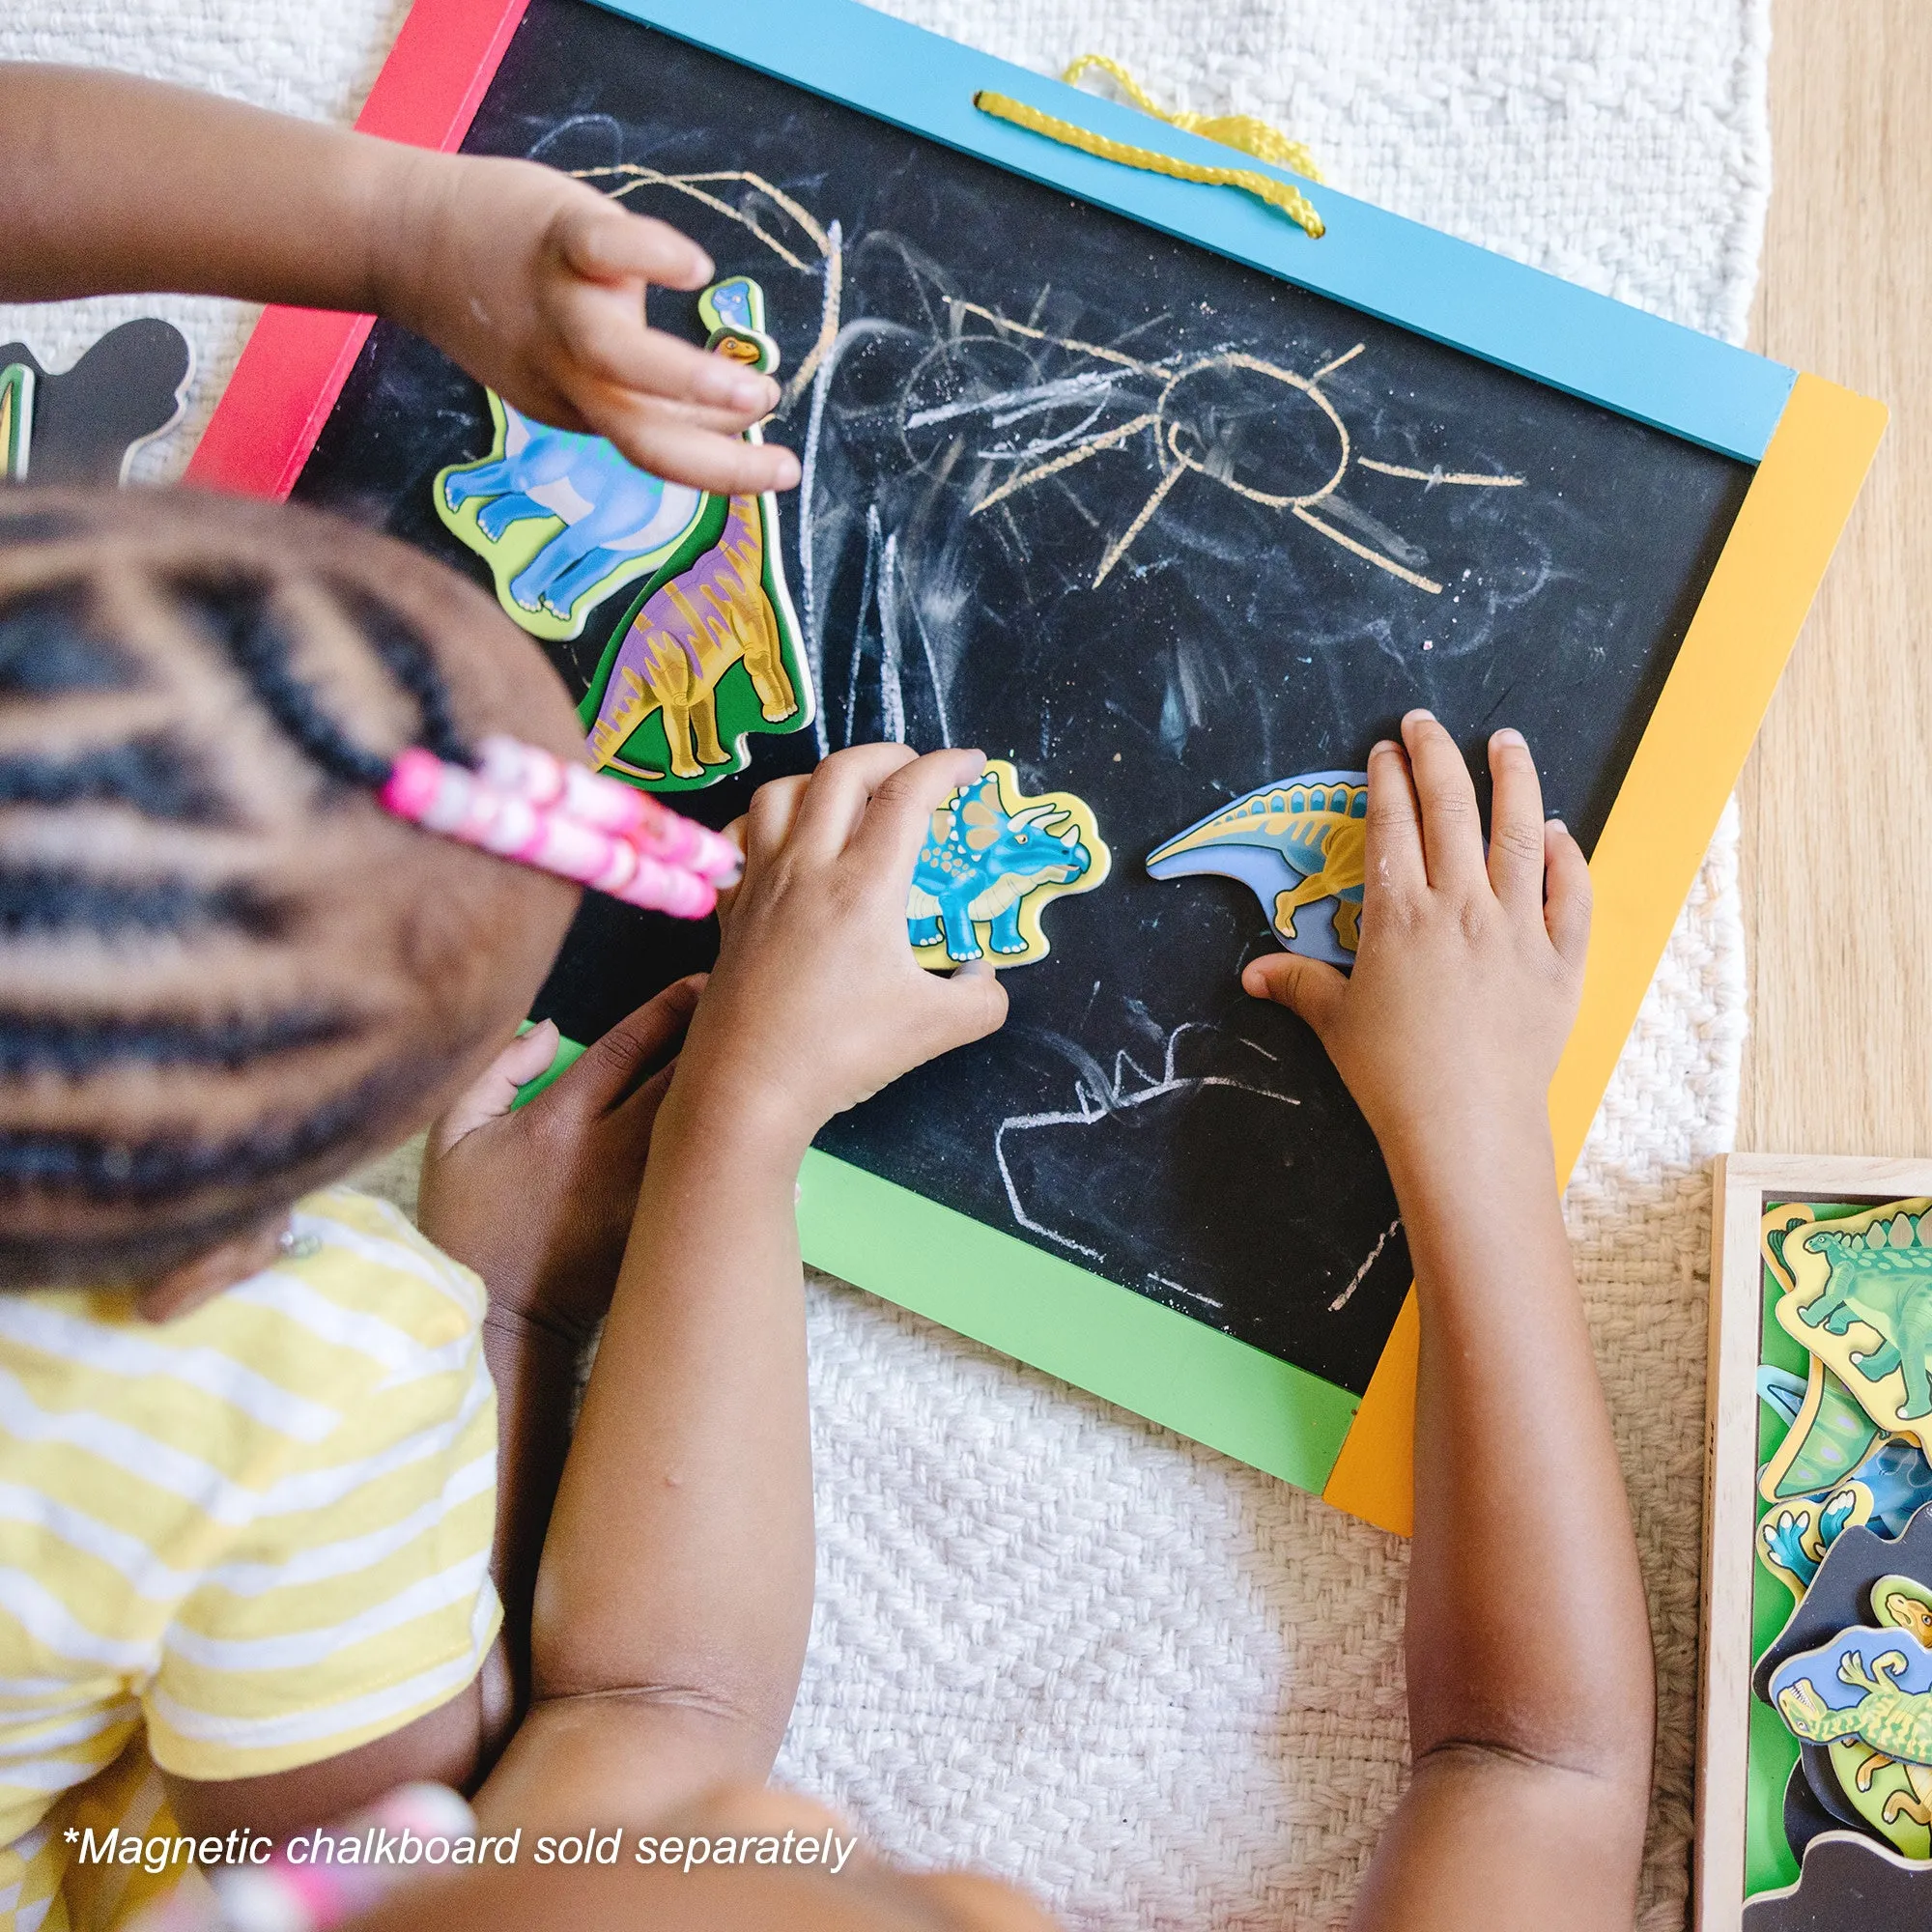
x=1294, y=844
x=991, y=862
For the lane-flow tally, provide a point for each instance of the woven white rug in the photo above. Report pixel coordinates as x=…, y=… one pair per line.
x=1159, y=1689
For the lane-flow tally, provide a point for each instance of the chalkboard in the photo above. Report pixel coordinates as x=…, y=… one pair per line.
x=1157, y=527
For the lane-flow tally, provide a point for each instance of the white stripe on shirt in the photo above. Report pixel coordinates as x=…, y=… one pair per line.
x=300, y=1648
x=34, y=1325
x=427, y=1688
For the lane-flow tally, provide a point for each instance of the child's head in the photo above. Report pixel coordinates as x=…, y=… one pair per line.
x=226, y=974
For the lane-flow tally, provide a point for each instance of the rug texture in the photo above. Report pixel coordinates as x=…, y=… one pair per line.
x=1160, y=1690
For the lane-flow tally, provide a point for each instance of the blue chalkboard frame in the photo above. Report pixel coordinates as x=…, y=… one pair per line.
x=1504, y=311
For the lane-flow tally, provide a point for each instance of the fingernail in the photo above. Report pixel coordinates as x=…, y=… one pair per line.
x=702, y=267
x=1556, y=825
x=1508, y=735
x=1418, y=716
x=1382, y=744
x=789, y=472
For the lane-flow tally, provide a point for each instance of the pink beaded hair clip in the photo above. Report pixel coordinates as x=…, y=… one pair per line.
x=523, y=804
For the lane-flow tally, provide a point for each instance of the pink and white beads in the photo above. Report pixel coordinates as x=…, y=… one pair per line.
x=525, y=805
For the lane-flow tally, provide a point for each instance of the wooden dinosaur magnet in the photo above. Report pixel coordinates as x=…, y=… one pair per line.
x=1298, y=845
x=710, y=652
x=1860, y=1301
x=82, y=425
x=1866, y=1695
x=1841, y=1593
x=1793, y=1538
x=993, y=861
x=1828, y=1435
x=1846, y=1884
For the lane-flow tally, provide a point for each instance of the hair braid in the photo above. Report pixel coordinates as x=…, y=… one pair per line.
x=185, y=1044
x=240, y=614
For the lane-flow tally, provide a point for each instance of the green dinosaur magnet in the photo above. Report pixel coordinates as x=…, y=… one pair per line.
x=1888, y=1794
x=1828, y=1438
x=1860, y=1301
x=1867, y=1696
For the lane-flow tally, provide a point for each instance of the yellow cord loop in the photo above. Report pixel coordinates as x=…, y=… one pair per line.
x=1235, y=130
x=1244, y=131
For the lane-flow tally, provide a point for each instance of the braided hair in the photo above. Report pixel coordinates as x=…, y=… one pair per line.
x=225, y=975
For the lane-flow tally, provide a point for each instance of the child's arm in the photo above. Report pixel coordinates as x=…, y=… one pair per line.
x=539, y=1201
x=533, y=282
x=676, y=1584
x=1530, y=1684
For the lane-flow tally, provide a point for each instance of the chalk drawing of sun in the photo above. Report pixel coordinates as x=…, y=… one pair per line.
x=1231, y=419
x=1264, y=432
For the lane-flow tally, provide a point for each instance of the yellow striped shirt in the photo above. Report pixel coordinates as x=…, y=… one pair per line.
x=262, y=1530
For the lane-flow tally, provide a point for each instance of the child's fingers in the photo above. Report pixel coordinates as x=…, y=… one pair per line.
x=773, y=813
x=607, y=243
x=898, y=817
x=1566, y=911
x=834, y=801
x=1516, y=825
x=1452, y=836
x=494, y=1092
x=1312, y=989
x=606, y=337
x=737, y=831
x=1393, y=852
x=658, y=442
x=680, y=416
x=971, y=1004
x=610, y=1069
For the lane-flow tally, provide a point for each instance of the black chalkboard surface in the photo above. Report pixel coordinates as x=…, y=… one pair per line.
x=1159, y=528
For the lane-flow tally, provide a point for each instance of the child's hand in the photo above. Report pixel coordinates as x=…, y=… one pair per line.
x=536, y=284
x=539, y=1201
x=816, y=1000
x=1466, y=982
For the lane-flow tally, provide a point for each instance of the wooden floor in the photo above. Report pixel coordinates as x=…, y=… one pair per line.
x=1837, y=798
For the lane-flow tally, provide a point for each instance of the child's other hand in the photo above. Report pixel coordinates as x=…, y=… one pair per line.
x=1467, y=977
x=816, y=1000
x=535, y=283
x=539, y=1201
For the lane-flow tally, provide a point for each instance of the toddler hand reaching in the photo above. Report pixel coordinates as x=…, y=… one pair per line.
x=535, y=283
x=1530, y=1684
x=675, y=1591
x=817, y=1001
x=1464, y=993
